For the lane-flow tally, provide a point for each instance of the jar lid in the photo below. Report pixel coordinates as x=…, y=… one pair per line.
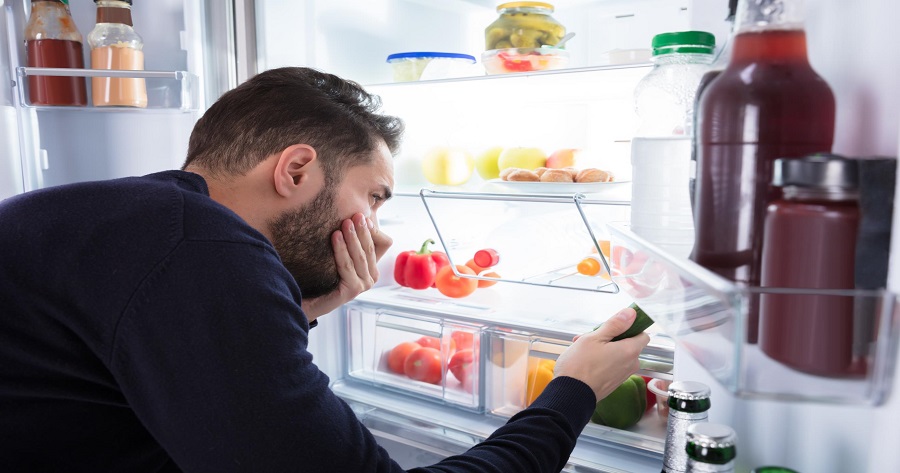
x=819, y=170
x=689, y=390
x=505, y=6
x=427, y=54
x=710, y=435
x=684, y=42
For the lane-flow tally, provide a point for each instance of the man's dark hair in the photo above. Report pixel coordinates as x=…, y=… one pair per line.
x=282, y=107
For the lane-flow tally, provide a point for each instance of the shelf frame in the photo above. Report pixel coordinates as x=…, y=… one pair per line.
x=576, y=199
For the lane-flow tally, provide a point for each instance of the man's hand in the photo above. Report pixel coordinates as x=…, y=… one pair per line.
x=358, y=246
x=601, y=364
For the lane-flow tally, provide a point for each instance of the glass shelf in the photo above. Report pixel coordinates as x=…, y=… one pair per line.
x=706, y=315
x=540, y=238
x=167, y=91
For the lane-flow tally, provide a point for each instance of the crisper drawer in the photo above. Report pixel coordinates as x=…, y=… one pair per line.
x=518, y=367
x=429, y=357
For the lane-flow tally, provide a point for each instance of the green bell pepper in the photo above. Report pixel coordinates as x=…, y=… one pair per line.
x=624, y=406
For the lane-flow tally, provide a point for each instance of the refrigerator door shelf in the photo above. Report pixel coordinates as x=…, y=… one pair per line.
x=167, y=91
x=541, y=239
x=419, y=355
x=706, y=315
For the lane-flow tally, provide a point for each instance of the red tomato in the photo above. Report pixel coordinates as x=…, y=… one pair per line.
x=397, y=356
x=486, y=258
x=452, y=285
x=461, y=365
x=434, y=342
x=424, y=364
x=482, y=283
x=464, y=340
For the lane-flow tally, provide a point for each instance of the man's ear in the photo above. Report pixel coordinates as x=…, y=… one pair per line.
x=293, y=168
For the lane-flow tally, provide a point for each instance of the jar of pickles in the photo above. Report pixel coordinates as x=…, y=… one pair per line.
x=523, y=25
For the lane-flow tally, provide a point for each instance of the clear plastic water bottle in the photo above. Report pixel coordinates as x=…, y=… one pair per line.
x=661, y=148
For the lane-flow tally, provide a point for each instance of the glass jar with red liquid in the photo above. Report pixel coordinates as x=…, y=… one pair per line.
x=52, y=40
x=768, y=103
x=809, y=242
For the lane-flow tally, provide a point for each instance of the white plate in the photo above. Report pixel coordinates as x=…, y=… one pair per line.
x=556, y=187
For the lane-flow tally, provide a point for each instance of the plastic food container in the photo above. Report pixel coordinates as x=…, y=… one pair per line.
x=511, y=60
x=660, y=387
x=413, y=66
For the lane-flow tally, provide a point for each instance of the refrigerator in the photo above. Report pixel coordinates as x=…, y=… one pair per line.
x=197, y=50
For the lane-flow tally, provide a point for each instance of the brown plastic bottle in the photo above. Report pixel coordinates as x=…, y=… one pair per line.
x=768, y=103
x=52, y=40
x=810, y=243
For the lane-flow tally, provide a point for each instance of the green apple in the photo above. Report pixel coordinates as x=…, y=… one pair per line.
x=446, y=166
x=487, y=163
x=523, y=158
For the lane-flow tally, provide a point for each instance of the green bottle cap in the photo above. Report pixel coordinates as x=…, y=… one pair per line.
x=773, y=469
x=711, y=443
x=696, y=42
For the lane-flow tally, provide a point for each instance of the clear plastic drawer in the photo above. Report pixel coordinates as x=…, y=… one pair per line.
x=520, y=365
x=424, y=356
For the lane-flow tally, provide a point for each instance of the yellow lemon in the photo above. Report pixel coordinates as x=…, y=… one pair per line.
x=446, y=166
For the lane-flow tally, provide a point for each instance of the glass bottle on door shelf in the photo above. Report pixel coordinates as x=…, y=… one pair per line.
x=768, y=103
x=115, y=45
x=723, y=57
x=810, y=243
x=710, y=448
x=661, y=148
x=688, y=405
x=52, y=40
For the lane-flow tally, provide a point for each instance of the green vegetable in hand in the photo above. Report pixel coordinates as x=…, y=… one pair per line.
x=624, y=406
x=641, y=322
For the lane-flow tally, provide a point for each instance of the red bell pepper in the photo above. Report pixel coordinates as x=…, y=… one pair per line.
x=417, y=269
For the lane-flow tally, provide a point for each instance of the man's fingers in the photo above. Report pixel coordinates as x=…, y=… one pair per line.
x=381, y=240
x=368, y=245
x=355, y=249
x=615, y=325
x=345, y=267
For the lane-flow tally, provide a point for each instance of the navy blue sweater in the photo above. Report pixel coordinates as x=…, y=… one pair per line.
x=145, y=328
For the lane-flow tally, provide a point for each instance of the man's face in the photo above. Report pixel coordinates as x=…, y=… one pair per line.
x=302, y=236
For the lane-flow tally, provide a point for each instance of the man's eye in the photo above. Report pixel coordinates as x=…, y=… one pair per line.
x=376, y=199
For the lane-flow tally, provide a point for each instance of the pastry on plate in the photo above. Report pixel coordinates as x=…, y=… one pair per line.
x=523, y=175
x=593, y=175
x=556, y=175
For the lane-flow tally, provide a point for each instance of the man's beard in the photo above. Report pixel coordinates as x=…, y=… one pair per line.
x=302, y=238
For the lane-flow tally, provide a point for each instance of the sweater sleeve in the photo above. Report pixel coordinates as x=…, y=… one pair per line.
x=211, y=354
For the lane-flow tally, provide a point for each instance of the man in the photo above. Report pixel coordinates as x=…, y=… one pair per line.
x=161, y=323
